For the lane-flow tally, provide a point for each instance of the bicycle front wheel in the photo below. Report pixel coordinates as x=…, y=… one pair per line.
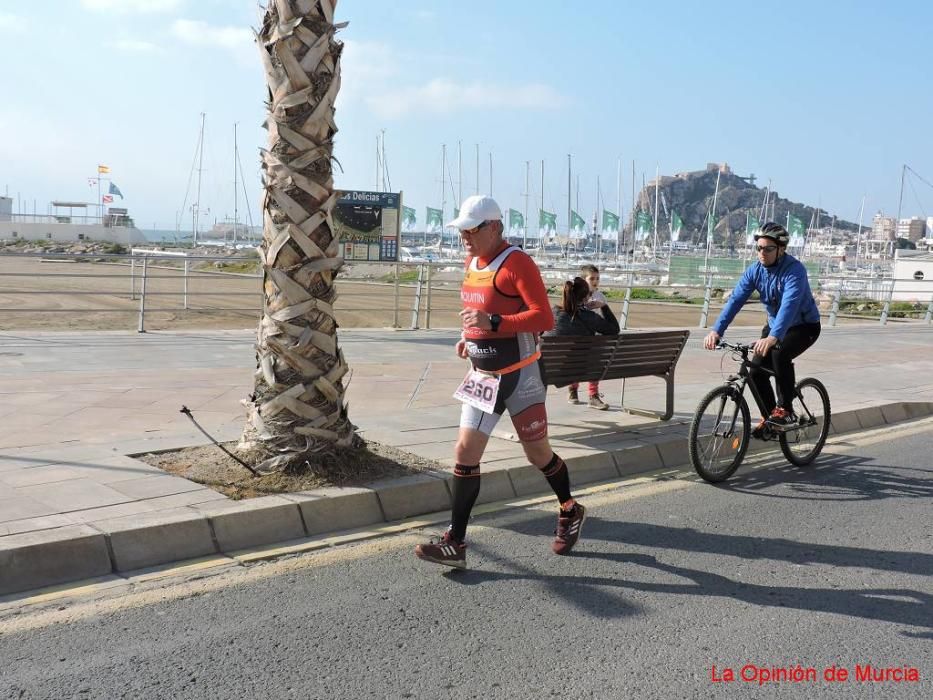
x=801, y=445
x=719, y=434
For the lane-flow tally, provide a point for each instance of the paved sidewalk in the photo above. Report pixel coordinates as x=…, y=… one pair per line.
x=74, y=505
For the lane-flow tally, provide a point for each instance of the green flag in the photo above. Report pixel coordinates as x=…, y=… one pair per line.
x=751, y=228
x=577, y=225
x=710, y=225
x=547, y=222
x=797, y=231
x=610, y=227
x=795, y=226
x=516, y=220
x=434, y=221
x=677, y=225
x=642, y=225
x=409, y=217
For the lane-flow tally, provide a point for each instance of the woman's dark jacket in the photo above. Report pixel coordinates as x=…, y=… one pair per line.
x=585, y=322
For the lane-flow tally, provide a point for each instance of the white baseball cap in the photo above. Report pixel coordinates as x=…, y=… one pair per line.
x=475, y=210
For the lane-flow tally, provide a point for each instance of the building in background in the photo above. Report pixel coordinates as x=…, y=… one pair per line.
x=883, y=228
x=913, y=229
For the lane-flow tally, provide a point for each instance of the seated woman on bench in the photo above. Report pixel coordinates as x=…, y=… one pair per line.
x=574, y=318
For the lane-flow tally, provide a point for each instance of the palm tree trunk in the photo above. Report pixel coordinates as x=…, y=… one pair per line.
x=296, y=414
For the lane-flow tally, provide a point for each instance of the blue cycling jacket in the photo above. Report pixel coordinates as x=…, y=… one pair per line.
x=785, y=293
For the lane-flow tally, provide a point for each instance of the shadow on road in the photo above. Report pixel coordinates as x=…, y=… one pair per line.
x=586, y=593
x=688, y=539
x=897, y=605
x=835, y=477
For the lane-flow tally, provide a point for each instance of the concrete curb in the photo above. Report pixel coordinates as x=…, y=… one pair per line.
x=72, y=553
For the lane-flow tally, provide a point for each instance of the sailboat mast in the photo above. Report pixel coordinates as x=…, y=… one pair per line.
x=900, y=198
x=657, y=196
x=525, y=220
x=619, y=227
x=543, y=238
x=858, y=237
x=235, y=196
x=711, y=224
x=443, y=194
x=568, y=197
x=599, y=235
x=632, y=213
x=764, y=204
x=197, y=204
x=459, y=173
x=490, y=173
x=477, y=169
x=385, y=165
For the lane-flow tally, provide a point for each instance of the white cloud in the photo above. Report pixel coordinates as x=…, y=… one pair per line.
x=363, y=62
x=443, y=96
x=131, y=6
x=133, y=45
x=39, y=140
x=203, y=34
x=12, y=23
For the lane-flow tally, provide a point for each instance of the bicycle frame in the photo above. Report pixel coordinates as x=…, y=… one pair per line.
x=740, y=382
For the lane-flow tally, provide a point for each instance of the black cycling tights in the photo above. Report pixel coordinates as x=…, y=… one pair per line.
x=781, y=360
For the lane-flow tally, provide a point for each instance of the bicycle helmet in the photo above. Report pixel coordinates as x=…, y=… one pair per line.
x=775, y=232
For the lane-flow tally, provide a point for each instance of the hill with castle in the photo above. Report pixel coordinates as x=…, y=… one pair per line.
x=690, y=195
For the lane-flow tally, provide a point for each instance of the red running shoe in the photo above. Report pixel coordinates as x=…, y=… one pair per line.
x=444, y=550
x=568, y=530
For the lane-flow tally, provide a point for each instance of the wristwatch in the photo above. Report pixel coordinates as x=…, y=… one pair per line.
x=494, y=321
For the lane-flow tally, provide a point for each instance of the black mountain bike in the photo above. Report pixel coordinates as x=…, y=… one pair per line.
x=721, y=428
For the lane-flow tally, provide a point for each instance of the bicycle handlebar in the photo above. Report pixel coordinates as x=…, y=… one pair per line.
x=743, y=348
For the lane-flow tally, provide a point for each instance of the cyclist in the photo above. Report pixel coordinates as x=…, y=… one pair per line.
x=793, y=322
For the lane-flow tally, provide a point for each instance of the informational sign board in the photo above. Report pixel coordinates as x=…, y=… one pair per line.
x=368, y=224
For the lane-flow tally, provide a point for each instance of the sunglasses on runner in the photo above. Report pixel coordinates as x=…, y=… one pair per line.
x=471, y=231
x=766, y=248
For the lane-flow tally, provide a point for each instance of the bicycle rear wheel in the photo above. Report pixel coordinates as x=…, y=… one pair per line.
x=803, y=444
x=719, y=434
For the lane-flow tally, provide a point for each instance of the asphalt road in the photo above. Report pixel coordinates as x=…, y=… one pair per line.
x=830, y=565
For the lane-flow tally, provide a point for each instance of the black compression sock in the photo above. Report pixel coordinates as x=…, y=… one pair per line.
x=558, y=477
x=465, y=490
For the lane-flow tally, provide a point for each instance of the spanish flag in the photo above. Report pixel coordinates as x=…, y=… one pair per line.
x=101, y=169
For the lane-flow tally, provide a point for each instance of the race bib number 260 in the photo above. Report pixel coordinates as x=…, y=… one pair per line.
x=479, y=390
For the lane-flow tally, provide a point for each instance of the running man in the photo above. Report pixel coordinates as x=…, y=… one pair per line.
x=505, y=307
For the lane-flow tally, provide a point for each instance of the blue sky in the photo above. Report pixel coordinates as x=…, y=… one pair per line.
x=827, y=99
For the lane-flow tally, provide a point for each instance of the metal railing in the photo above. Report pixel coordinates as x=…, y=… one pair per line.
x=425, y=289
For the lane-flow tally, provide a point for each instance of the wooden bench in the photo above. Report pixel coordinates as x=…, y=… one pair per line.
x=566, y=359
